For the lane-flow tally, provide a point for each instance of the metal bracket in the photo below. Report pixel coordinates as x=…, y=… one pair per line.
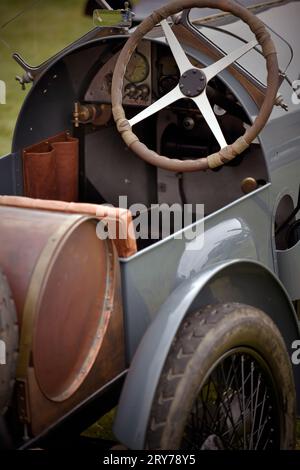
x=30, y=72
x=33, y=72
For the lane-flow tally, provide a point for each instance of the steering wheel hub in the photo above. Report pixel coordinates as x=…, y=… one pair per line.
x=192, y=83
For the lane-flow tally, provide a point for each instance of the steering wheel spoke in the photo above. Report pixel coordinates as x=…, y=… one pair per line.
x=207, y=112
x=212, y=70
x=158, y=105
x=179, y=55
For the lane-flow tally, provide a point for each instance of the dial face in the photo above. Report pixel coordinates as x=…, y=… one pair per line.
x=138, y=68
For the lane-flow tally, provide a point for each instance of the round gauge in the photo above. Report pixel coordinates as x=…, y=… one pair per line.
x=138, y=68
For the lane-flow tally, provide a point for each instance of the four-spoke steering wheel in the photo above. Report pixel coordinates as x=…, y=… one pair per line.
x=192, y=84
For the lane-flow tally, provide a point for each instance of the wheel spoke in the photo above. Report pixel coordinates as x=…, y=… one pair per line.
x=179, y=55
x=229, y=415
x=243, y=395
x=261, y=431
x=226, y=406
x=209, y=116
x=237, y=384
x=158, y=105
x=231, y=409
x=260, y=418
x=212, y=70
x=251, y=407
x=253, y=417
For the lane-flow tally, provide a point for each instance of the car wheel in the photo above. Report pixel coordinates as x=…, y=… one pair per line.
x=227, y=383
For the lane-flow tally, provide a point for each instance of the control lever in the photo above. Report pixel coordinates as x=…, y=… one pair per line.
x=104, y=4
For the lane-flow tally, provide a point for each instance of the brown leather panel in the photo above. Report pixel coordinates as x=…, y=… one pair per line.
x=51, y=168
x=66, y=164
x=39, y=171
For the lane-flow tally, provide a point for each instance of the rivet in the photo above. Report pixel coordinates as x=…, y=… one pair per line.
x=248, y=185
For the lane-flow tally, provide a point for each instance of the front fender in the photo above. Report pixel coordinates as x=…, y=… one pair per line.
x=242, y=281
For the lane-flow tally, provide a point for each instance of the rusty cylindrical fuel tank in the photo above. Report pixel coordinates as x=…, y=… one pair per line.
x=66, y=287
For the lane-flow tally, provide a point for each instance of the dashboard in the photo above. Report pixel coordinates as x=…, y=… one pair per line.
x=151, y=73
x=137, y=89
x=178, y=131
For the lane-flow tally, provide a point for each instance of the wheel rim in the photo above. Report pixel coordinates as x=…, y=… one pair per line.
x=236, y=407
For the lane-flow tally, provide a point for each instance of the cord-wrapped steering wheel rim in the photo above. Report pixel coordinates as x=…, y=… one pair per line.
x=230, y=151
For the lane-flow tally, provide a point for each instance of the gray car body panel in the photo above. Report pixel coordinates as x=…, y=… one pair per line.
x=238, y=261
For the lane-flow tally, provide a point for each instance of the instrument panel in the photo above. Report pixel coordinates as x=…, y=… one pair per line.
x=137, y=89
x=151, y=73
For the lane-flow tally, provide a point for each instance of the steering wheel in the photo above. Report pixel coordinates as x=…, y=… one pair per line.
x=192, y=84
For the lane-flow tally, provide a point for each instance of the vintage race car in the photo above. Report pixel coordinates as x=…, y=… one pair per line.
x=149, y=233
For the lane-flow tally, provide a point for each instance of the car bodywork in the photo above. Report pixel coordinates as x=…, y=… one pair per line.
x=241, y=259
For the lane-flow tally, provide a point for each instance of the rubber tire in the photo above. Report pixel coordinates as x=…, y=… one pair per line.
x=8, y=334
x=203, y=337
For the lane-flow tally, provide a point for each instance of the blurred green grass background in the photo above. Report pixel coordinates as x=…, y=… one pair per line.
x=45, y=27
